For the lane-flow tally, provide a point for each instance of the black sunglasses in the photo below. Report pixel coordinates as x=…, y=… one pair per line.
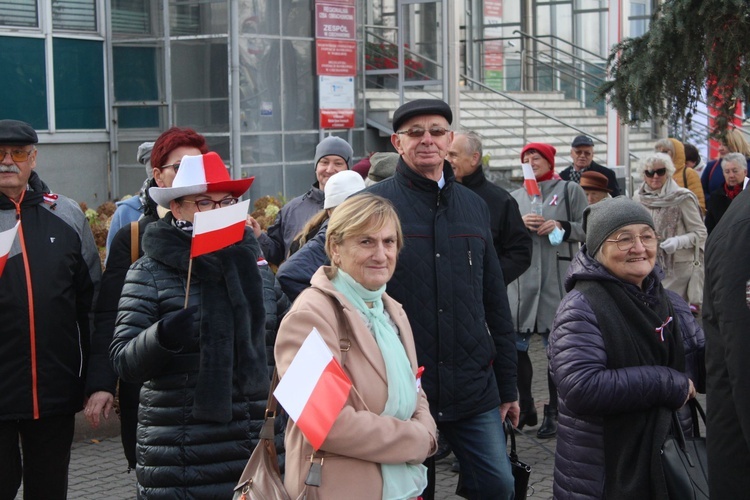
x=661, y=172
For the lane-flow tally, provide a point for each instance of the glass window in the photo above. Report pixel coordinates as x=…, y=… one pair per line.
x=261, y=149
x=260, y=84
x=639, y=18
x=296, y=18
x=200, y=86
x=300, y=147
x=19, y=13
x=24, y=94
x=135, y=79
x=268, y=182
x=77, y=15
x=131, y=17
x=299, y=91
x=261, y=17
x=198, y=17
x=79, y=95
x=592, y=30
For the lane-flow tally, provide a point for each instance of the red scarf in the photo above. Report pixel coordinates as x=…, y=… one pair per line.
x=546, y=177
x=732, y=191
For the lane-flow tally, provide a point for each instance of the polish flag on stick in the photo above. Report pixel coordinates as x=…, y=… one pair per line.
x=216, y=229
x=314, y=389
x=6, y=241
x=529, y=180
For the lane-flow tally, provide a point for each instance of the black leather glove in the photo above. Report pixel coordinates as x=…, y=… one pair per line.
x=177, y=331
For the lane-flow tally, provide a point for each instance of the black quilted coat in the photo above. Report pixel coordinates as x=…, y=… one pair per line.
x=178, y=455
x=449, y=280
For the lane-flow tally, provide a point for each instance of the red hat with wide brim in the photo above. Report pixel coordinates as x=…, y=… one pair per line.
x=197, y=175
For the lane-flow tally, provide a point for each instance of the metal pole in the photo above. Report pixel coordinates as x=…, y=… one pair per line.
x=452, y=57
x=235, y=153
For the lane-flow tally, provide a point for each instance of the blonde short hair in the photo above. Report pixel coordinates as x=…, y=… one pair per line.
x=358, y=215
x=736, y=143
x=664, y=144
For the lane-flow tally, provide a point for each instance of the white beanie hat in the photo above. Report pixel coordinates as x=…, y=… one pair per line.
x=342, y=185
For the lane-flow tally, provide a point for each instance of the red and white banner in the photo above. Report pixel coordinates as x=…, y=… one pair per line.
x=529, y=180
x=216, y=229
x=6, y=241
x=314, y=389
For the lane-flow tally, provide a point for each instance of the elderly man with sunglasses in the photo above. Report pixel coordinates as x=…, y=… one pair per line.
x=47, y=288
x=582, y=153
x=450, y=282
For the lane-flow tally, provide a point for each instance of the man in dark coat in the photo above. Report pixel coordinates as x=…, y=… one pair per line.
x=582, y=153
x=509, y=234
x=449, y=280
x=726, y=316
x=47, y=288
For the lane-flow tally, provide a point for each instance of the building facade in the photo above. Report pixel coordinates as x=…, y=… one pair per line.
x=98, y=77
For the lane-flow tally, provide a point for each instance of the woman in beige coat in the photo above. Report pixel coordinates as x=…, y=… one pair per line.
x=378, y=442
x=679, y=226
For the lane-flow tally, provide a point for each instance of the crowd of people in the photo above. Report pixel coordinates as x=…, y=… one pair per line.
x=412, y=266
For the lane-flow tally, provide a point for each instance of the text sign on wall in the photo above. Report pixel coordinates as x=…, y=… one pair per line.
x=334, y=21
x=336, y=101
x=336, y=57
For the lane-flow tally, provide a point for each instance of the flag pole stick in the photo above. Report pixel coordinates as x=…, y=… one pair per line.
x=187, y=288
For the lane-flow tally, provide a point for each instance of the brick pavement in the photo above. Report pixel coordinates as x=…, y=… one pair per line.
x=98, y=467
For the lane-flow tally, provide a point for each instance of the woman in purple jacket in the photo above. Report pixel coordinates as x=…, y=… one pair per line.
x=624, y=353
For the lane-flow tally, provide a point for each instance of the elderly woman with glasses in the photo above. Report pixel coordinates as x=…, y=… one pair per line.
x=678, y=224
x=734, y=167
x=624, y=353
x=198, y=350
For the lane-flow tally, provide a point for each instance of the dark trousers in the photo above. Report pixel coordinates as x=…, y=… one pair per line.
x=46, y=455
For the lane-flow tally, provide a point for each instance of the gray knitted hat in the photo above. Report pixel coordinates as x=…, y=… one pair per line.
x=332, y=145
x=602, y=219
x=144, y=157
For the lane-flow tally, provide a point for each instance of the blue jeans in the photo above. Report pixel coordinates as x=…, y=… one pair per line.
x=479, y=445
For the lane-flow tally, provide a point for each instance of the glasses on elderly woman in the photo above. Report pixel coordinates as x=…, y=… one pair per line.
x=661, y=172
x=626, y=241
x=206, y=204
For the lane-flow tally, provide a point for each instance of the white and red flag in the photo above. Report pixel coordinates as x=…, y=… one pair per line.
x=314, y=389
x=6, y=241
x=529, y=180
x=216, y=229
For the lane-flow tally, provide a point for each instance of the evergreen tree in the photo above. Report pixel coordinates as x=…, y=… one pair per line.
x=691, y=45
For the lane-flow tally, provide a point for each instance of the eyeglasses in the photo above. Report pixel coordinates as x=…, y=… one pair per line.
x=626, y=241
x=18, y=155
x=175, y=166
x=661, y=172
x=585, y=154
x=419, y=132
x=206, y=204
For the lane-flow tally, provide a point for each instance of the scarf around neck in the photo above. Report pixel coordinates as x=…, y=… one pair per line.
x=665, y=205
x=400, y=481
x=639, y=328
x=732, y=192
x=232, y=319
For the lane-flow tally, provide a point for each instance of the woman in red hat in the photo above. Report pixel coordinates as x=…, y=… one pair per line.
x=201, y=360
x=554, y=220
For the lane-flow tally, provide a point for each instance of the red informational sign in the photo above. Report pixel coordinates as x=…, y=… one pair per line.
x=336, y=118
x=493, y=8
x=336, y=57
x=335, y=21
x=493, y=55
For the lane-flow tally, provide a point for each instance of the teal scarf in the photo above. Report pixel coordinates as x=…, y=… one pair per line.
x=400, y=481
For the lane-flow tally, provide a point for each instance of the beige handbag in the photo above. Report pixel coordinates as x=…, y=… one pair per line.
x=261, y=478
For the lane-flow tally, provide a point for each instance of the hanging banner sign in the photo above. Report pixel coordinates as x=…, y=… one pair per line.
x=336, y=57
x=336, y=101
x=335, y=21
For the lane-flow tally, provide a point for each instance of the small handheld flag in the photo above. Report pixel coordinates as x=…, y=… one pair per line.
x=216, y=229
x=529, y=180
x=314, y=389
x=6, y=241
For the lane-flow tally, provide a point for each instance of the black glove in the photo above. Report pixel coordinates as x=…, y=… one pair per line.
x=177, y=331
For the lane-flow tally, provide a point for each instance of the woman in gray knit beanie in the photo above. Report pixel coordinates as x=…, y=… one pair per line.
x=624, y=354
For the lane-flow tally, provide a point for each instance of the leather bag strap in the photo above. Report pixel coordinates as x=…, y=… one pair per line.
x=134, y=241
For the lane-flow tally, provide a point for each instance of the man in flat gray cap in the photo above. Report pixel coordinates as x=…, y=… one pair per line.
x=449, y=280
x=46, y=292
